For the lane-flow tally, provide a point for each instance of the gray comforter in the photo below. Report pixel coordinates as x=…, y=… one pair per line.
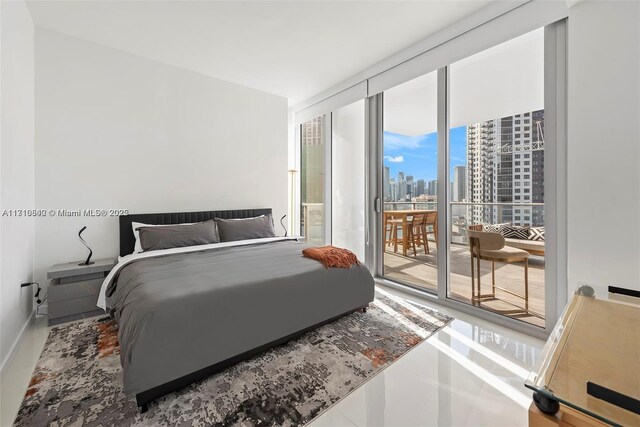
x=183, y=312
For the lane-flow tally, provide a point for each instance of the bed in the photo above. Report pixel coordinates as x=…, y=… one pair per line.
x=186, y=313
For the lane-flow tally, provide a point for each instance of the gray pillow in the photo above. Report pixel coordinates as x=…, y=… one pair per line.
x=247, y=228
x=178, y=236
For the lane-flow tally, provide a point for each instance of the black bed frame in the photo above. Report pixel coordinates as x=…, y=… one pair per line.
x=143, y=399
x=127, y=244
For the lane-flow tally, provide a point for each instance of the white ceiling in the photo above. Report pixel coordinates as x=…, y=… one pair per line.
x=295, y=49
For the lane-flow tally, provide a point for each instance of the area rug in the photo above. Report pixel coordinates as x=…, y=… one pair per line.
x=78, y=379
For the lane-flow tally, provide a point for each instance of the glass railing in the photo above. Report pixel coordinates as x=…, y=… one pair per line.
x=312, y=222
x=404, y=206
x=464, y=214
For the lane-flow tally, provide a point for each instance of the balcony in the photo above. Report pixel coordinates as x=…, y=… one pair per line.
x=421, y=270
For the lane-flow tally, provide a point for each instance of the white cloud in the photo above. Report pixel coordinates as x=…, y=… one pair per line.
x=396, y=159
x=394, y=141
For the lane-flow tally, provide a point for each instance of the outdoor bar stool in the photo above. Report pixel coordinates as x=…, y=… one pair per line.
x=491, y=247
x=391, y=225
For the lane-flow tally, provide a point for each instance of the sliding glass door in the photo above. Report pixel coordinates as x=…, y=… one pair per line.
x=410, y=181
x=463, y=181
x=496, y=153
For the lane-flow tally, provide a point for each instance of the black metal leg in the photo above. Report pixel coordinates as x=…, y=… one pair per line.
x=144, y=408
x=545, y=404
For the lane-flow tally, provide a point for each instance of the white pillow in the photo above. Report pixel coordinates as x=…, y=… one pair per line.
x=135, y=225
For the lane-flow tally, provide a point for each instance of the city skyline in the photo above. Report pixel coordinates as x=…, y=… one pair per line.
x=417, y=156
x=503, y=162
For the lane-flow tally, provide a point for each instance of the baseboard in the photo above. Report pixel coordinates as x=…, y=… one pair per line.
x=16, y=343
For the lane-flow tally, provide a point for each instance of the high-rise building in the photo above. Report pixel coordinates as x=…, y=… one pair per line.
x=432, y=187
x=393, y=190
x=459, y=183
x=420, y=187
x=410, y=189
x=402, y=187
x=312, y=162
x=386, y=185
x=505, y=164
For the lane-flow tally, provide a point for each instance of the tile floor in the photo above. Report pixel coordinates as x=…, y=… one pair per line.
x=471, y=373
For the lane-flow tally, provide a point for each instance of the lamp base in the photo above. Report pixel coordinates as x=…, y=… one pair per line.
x=87, y=263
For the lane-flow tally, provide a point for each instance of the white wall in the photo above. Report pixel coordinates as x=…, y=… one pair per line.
x=16, y=171
x=604, y=144
x=114, y=130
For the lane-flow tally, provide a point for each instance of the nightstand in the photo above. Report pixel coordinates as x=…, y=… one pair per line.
x=73, y=290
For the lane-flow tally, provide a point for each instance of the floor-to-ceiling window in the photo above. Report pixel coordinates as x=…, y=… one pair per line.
x=410, y=181
x=313, y=180
x=496, y=154
x=457, y=152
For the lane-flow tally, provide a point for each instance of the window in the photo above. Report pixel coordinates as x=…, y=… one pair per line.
x=312, y=180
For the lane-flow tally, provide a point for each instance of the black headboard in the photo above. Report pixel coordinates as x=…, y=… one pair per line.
x=127, y=240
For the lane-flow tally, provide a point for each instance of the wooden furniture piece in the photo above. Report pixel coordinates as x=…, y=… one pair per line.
x=418, y=233
x=391, y=226
x=404, y=218
x=431, y=220
x=491, y=247
x=589, y=371
x=73, y=290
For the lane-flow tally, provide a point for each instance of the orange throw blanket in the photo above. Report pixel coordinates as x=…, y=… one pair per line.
x=330, y=256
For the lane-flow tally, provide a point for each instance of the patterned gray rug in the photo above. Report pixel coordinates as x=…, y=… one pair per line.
x=77, y=380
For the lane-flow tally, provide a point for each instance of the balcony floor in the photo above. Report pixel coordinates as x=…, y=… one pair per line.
x=421, y=271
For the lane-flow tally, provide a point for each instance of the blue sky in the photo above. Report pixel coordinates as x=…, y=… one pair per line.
x=417, y=155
